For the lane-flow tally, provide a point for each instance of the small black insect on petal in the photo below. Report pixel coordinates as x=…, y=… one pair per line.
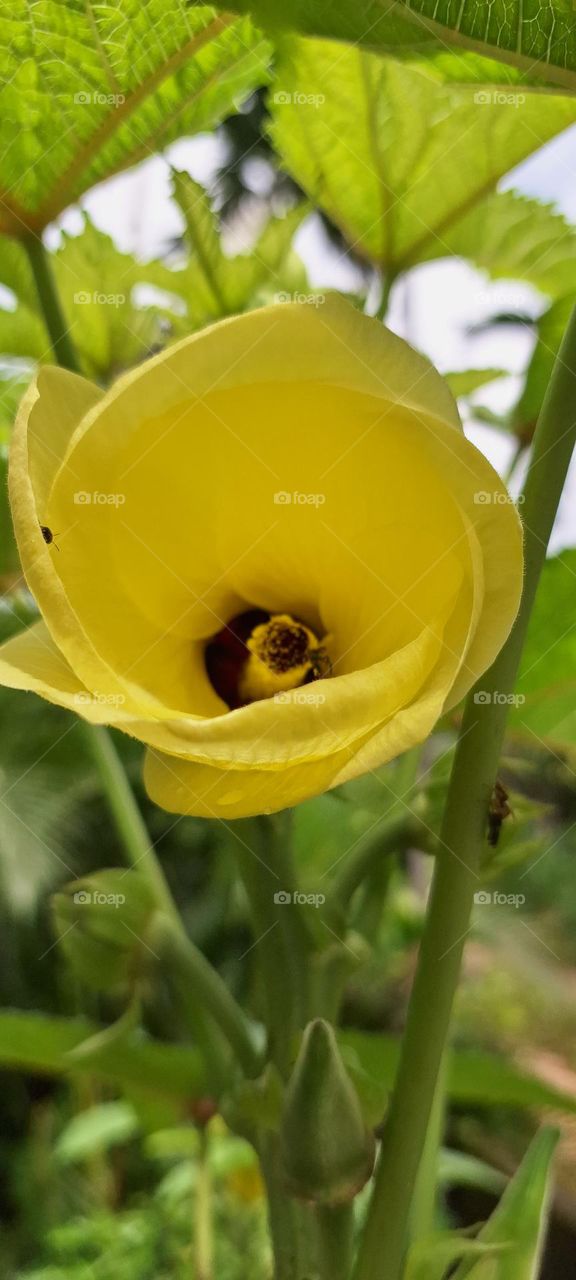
x=48, y=536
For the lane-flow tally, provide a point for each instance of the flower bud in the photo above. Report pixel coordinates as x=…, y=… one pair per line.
x=327, y=1151
x=102, y=921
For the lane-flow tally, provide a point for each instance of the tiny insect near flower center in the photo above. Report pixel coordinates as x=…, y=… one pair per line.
x=259, y=654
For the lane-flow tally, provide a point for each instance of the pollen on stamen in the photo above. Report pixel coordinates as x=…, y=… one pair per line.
x=281, y=644
x=258, y=655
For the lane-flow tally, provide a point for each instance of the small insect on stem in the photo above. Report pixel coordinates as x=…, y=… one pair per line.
x=48, y=536
x=498, y=811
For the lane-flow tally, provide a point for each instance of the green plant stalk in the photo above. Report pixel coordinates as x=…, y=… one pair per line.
x=386, y=282
x=128, y=820
x=282, y=947
x=517, y=454
x=392, y=834
x=192, y=973
x=62, y=345
x=423, y=1215
x=335, y=1228
x=203, y=1235
x=396, y=830
x=367, y=918
x=382, y=1249
x=281, y=943
x=286, y=1219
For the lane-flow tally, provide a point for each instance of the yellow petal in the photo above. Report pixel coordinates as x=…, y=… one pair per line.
x=32, y=661
x=184, y=786
x=299, y=460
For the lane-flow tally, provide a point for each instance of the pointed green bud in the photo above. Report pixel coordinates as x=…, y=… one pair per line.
x=102, y=922
x=327, y=1151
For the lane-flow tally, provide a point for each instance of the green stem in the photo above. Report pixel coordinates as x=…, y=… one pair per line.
x=335, y=1237
x=203, y=1241
x=195, y=978
x=285, y=1230
x=381, y=1253
x=280, y=937
x=423, y=1216
x=514, y=460
x=367, y=918
x=386, y=282
x=64, y=351
x=397, y=829
x=126, y=814
x=282, y=946
x=393, y=833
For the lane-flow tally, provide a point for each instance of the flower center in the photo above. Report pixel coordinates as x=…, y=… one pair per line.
x=260, y=654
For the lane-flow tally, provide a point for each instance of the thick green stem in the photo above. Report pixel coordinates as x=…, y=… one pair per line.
x=424, y=1204
x=282, y=946
x=280, y=936
x=62, y=345
x=193, y=975
x=335, y=1237
x=285, y=1229
x=381, y=1255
